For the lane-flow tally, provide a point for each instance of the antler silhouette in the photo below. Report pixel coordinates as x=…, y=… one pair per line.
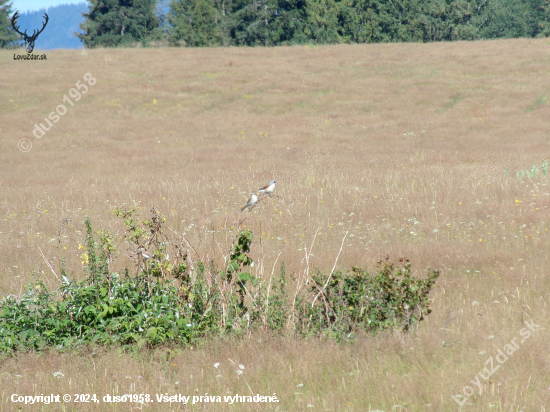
x=29, y=40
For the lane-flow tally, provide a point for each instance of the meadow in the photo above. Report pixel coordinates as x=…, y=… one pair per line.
x=433, y=152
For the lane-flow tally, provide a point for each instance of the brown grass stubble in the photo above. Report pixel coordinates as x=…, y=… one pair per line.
x=338, y=121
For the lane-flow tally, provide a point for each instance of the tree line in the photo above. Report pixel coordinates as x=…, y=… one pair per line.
x=207, y=23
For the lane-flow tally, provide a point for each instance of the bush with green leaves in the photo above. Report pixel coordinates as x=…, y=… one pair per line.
x=391, y=298
x=181, y=300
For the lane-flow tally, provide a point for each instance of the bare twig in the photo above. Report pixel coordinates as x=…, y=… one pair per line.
x=269, y=288
x=63, y=223
x=48, y=263
x=306, y=276
x=330, y=274
x=226, y=234
x=189, y=246
x=308, y=253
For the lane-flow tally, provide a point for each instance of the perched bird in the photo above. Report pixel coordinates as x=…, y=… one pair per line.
x=251, y=202
x=268, y=189
x=141, y=251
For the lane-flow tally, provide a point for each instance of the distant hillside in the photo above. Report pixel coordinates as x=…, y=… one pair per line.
x=59, y=33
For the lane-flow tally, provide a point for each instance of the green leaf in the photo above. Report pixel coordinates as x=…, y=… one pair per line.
x=244, y=276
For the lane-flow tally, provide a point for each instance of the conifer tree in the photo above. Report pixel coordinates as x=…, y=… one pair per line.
x=194, y=23
x=322, y=21
x=7, y=35
x=115, y=23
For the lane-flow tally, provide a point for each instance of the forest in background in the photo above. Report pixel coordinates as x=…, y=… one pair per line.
x=210, y=23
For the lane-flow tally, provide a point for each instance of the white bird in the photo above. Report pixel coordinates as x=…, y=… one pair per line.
x=141, y=251
x=251, y=202
x=268, y=189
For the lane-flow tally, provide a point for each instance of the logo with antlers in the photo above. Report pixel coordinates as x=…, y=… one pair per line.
x=29, y=40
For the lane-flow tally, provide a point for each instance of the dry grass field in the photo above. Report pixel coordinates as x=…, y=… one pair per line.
x=417, y=150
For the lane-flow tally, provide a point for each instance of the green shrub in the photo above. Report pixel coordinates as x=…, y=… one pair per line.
x=357, y=300
x=181, y=300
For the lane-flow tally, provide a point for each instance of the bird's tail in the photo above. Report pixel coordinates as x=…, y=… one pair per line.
x=244, y=208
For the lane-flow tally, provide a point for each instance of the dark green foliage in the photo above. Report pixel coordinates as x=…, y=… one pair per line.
x=543, y=18
x=93, y=313
x=392, y=298
x=251, y=24
x=181, y=300
x=322, y=21
x=514, y=18
x=112, y=23
x=208, y=23
x=194, y=23
x=274, y=22
x=288, y=23
x=8, y=36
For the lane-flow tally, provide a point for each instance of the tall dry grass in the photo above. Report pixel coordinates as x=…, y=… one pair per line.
x=413, y=148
